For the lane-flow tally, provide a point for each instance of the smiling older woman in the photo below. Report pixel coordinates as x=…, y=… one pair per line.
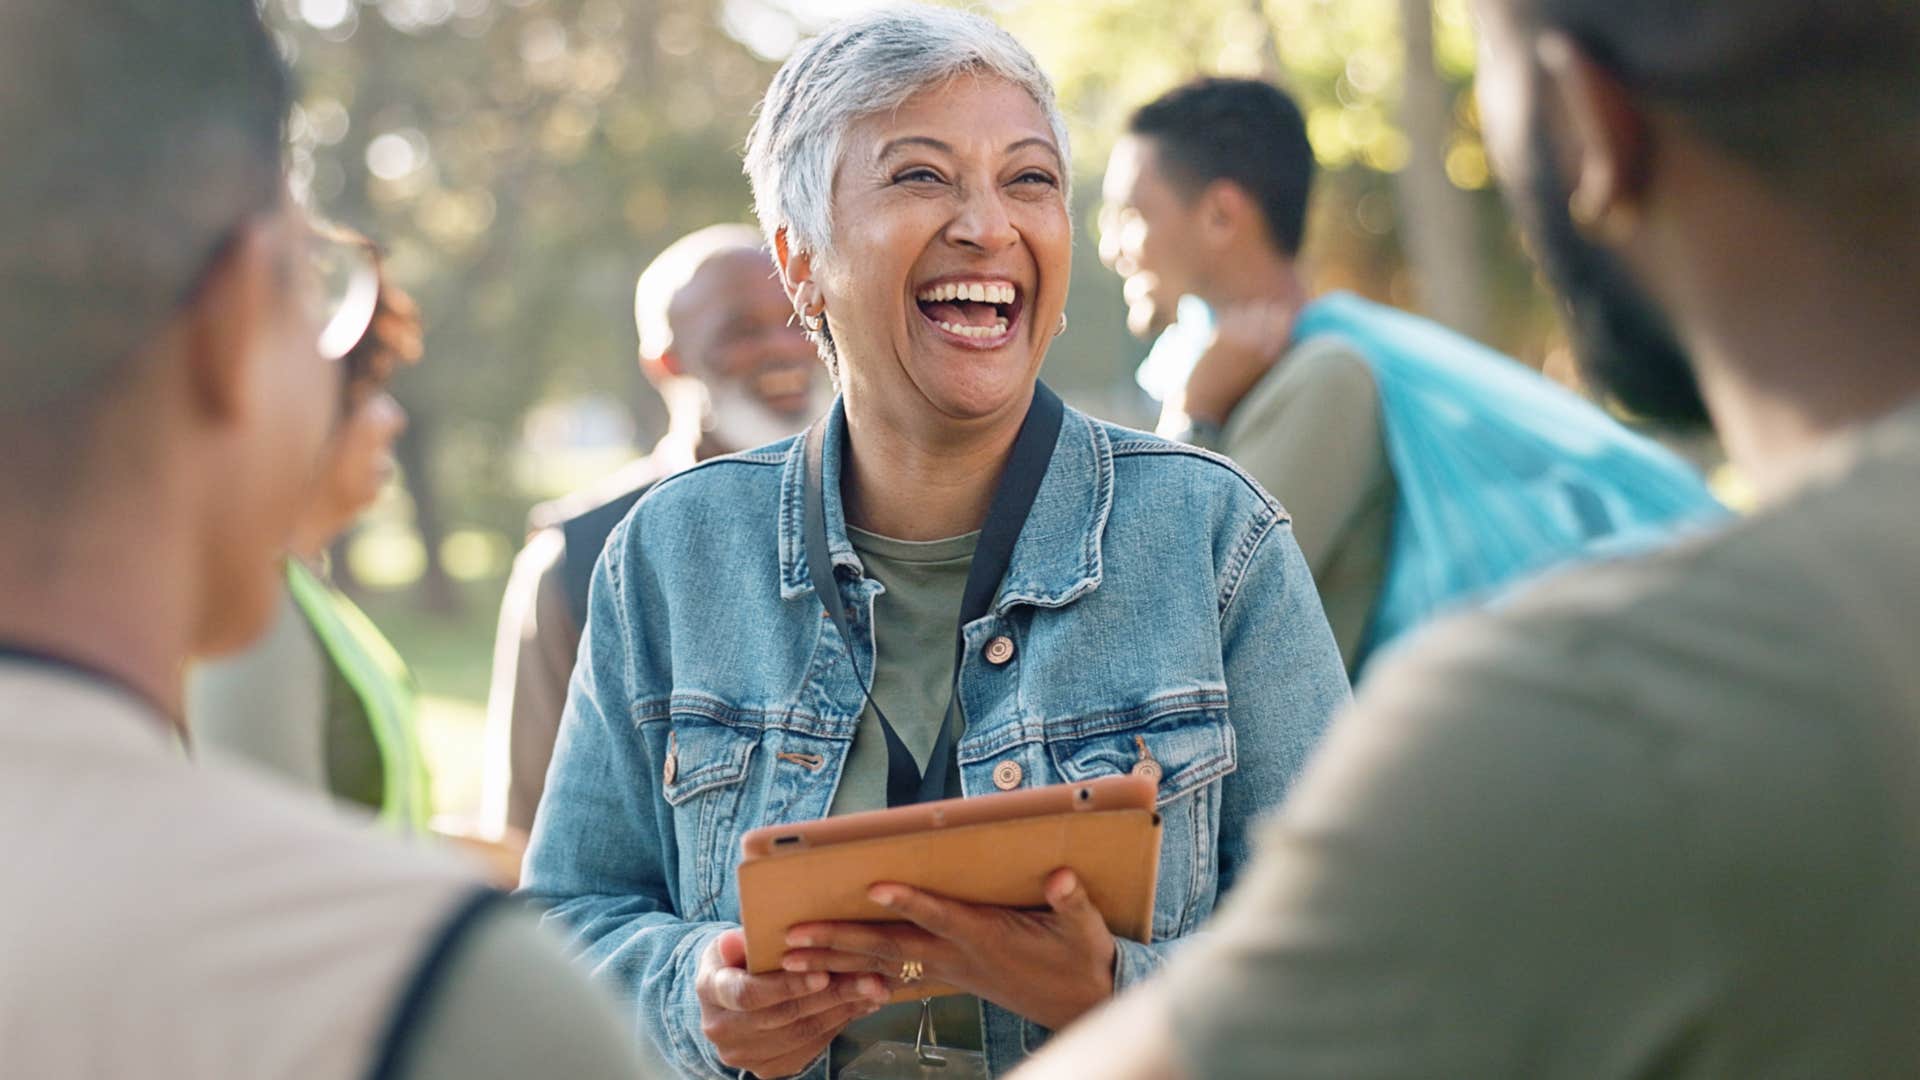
x=952, y=585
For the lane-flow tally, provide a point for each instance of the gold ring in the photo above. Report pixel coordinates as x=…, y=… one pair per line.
x=911, y=971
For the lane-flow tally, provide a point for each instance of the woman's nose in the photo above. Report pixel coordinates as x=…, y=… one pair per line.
x=983, y=223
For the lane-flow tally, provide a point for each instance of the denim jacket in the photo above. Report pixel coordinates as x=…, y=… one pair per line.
x=1155, y=597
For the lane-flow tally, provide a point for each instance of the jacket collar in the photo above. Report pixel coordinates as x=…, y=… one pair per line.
x=1058, y=556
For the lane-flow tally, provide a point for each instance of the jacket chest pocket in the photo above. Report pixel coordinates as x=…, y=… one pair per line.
x=1188, y=753
x=704, y=779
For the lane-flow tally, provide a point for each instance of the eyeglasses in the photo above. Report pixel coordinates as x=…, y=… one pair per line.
x=343, y=289
x=338, y=281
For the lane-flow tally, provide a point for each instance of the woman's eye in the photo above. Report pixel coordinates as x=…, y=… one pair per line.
x=917, y=176
x=1037, y=177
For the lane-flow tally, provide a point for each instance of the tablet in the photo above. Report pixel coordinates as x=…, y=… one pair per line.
x=990, y=849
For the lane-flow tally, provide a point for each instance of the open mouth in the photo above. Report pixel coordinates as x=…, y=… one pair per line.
x=979, y=313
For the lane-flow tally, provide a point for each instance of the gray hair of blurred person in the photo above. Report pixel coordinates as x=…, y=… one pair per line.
x=673, y=269
x=865, y=65
x=138, y=138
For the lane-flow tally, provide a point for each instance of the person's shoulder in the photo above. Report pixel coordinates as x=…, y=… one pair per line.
x=1326, y=368
x=1167, y=466
x=1767, y=626
x=618, y=488
x=507, y=1003
x=210, y=891
x=746, y=474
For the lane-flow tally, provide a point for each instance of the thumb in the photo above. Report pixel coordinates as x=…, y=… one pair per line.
x=732, y=947
x=1068, y=898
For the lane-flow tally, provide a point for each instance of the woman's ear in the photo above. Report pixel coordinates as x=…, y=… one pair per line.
x=796, y=276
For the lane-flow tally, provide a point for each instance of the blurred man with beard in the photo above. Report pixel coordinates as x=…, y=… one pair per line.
x=1660, y=817
x=716, y=341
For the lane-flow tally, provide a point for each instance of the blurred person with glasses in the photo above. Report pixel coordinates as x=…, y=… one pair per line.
x=342, y=700
x=170, y=366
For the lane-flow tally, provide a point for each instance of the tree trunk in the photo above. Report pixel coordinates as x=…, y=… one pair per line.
x=1437, y=219
x=1269, y=48
x=435, y=589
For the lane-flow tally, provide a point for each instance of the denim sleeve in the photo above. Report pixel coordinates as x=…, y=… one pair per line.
x=1285, y=683
x=598, y=861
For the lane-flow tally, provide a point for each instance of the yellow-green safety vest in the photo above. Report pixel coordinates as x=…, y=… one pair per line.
x=385, y=689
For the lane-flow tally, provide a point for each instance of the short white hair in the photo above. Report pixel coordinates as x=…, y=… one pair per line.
x=672, y=270
x=868, y=64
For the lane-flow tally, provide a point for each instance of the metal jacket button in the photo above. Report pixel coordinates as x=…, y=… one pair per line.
x=1007, y=775
x=999, y=650
x=1146, y=766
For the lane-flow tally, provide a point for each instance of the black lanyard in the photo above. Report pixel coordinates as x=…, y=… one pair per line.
x=1006, y=516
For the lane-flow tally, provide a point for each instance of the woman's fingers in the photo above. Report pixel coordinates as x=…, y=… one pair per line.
x=895, y=942
x=868, y=990
x=1068, y=898
x=731, y=988
x=817, y=960
x=804, y=1039
x=936, y=915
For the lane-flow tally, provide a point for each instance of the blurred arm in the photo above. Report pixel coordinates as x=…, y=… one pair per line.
x=533, y=658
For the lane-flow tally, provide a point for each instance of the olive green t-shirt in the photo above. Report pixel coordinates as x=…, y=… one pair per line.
x=1654, y=818
x=1310, y=433
x=914, y=623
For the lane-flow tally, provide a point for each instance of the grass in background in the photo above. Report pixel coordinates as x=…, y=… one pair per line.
x=452, y=660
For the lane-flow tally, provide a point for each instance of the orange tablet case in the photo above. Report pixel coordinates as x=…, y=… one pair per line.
x=989, y=849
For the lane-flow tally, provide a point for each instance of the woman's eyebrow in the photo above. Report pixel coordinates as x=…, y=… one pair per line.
x=1035, y=140
x=915, y=140
x=932, y=143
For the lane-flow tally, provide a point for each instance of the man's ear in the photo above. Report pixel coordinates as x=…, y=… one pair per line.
x=660, y=368
x=796, y=275
x=1605, y=140
x=217, y=332
x=1224, y=212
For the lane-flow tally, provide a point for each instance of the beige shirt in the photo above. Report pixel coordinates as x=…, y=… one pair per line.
x=1660, y=817
x=535, y=646
x=1309, y=432
x=533, y=656
x=166, y=918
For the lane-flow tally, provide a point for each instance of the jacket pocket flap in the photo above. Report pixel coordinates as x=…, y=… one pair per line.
x=1188, y=749
x=703, y=755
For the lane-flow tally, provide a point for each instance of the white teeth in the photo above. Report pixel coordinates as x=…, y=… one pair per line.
x=979, y=292
x=981, y=333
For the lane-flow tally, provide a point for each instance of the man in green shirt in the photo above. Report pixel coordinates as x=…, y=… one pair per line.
x=1660, y=817
x=1224, y=229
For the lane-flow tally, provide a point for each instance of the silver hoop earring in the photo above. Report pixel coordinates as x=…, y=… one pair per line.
x=1062, y=328
x=813, y=323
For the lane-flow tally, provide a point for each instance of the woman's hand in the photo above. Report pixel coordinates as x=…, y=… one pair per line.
x=1048, y=966
x=775, y=1024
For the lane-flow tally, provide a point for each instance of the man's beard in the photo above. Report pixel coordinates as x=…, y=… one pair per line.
x=1626, y=347
x=738, y=420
